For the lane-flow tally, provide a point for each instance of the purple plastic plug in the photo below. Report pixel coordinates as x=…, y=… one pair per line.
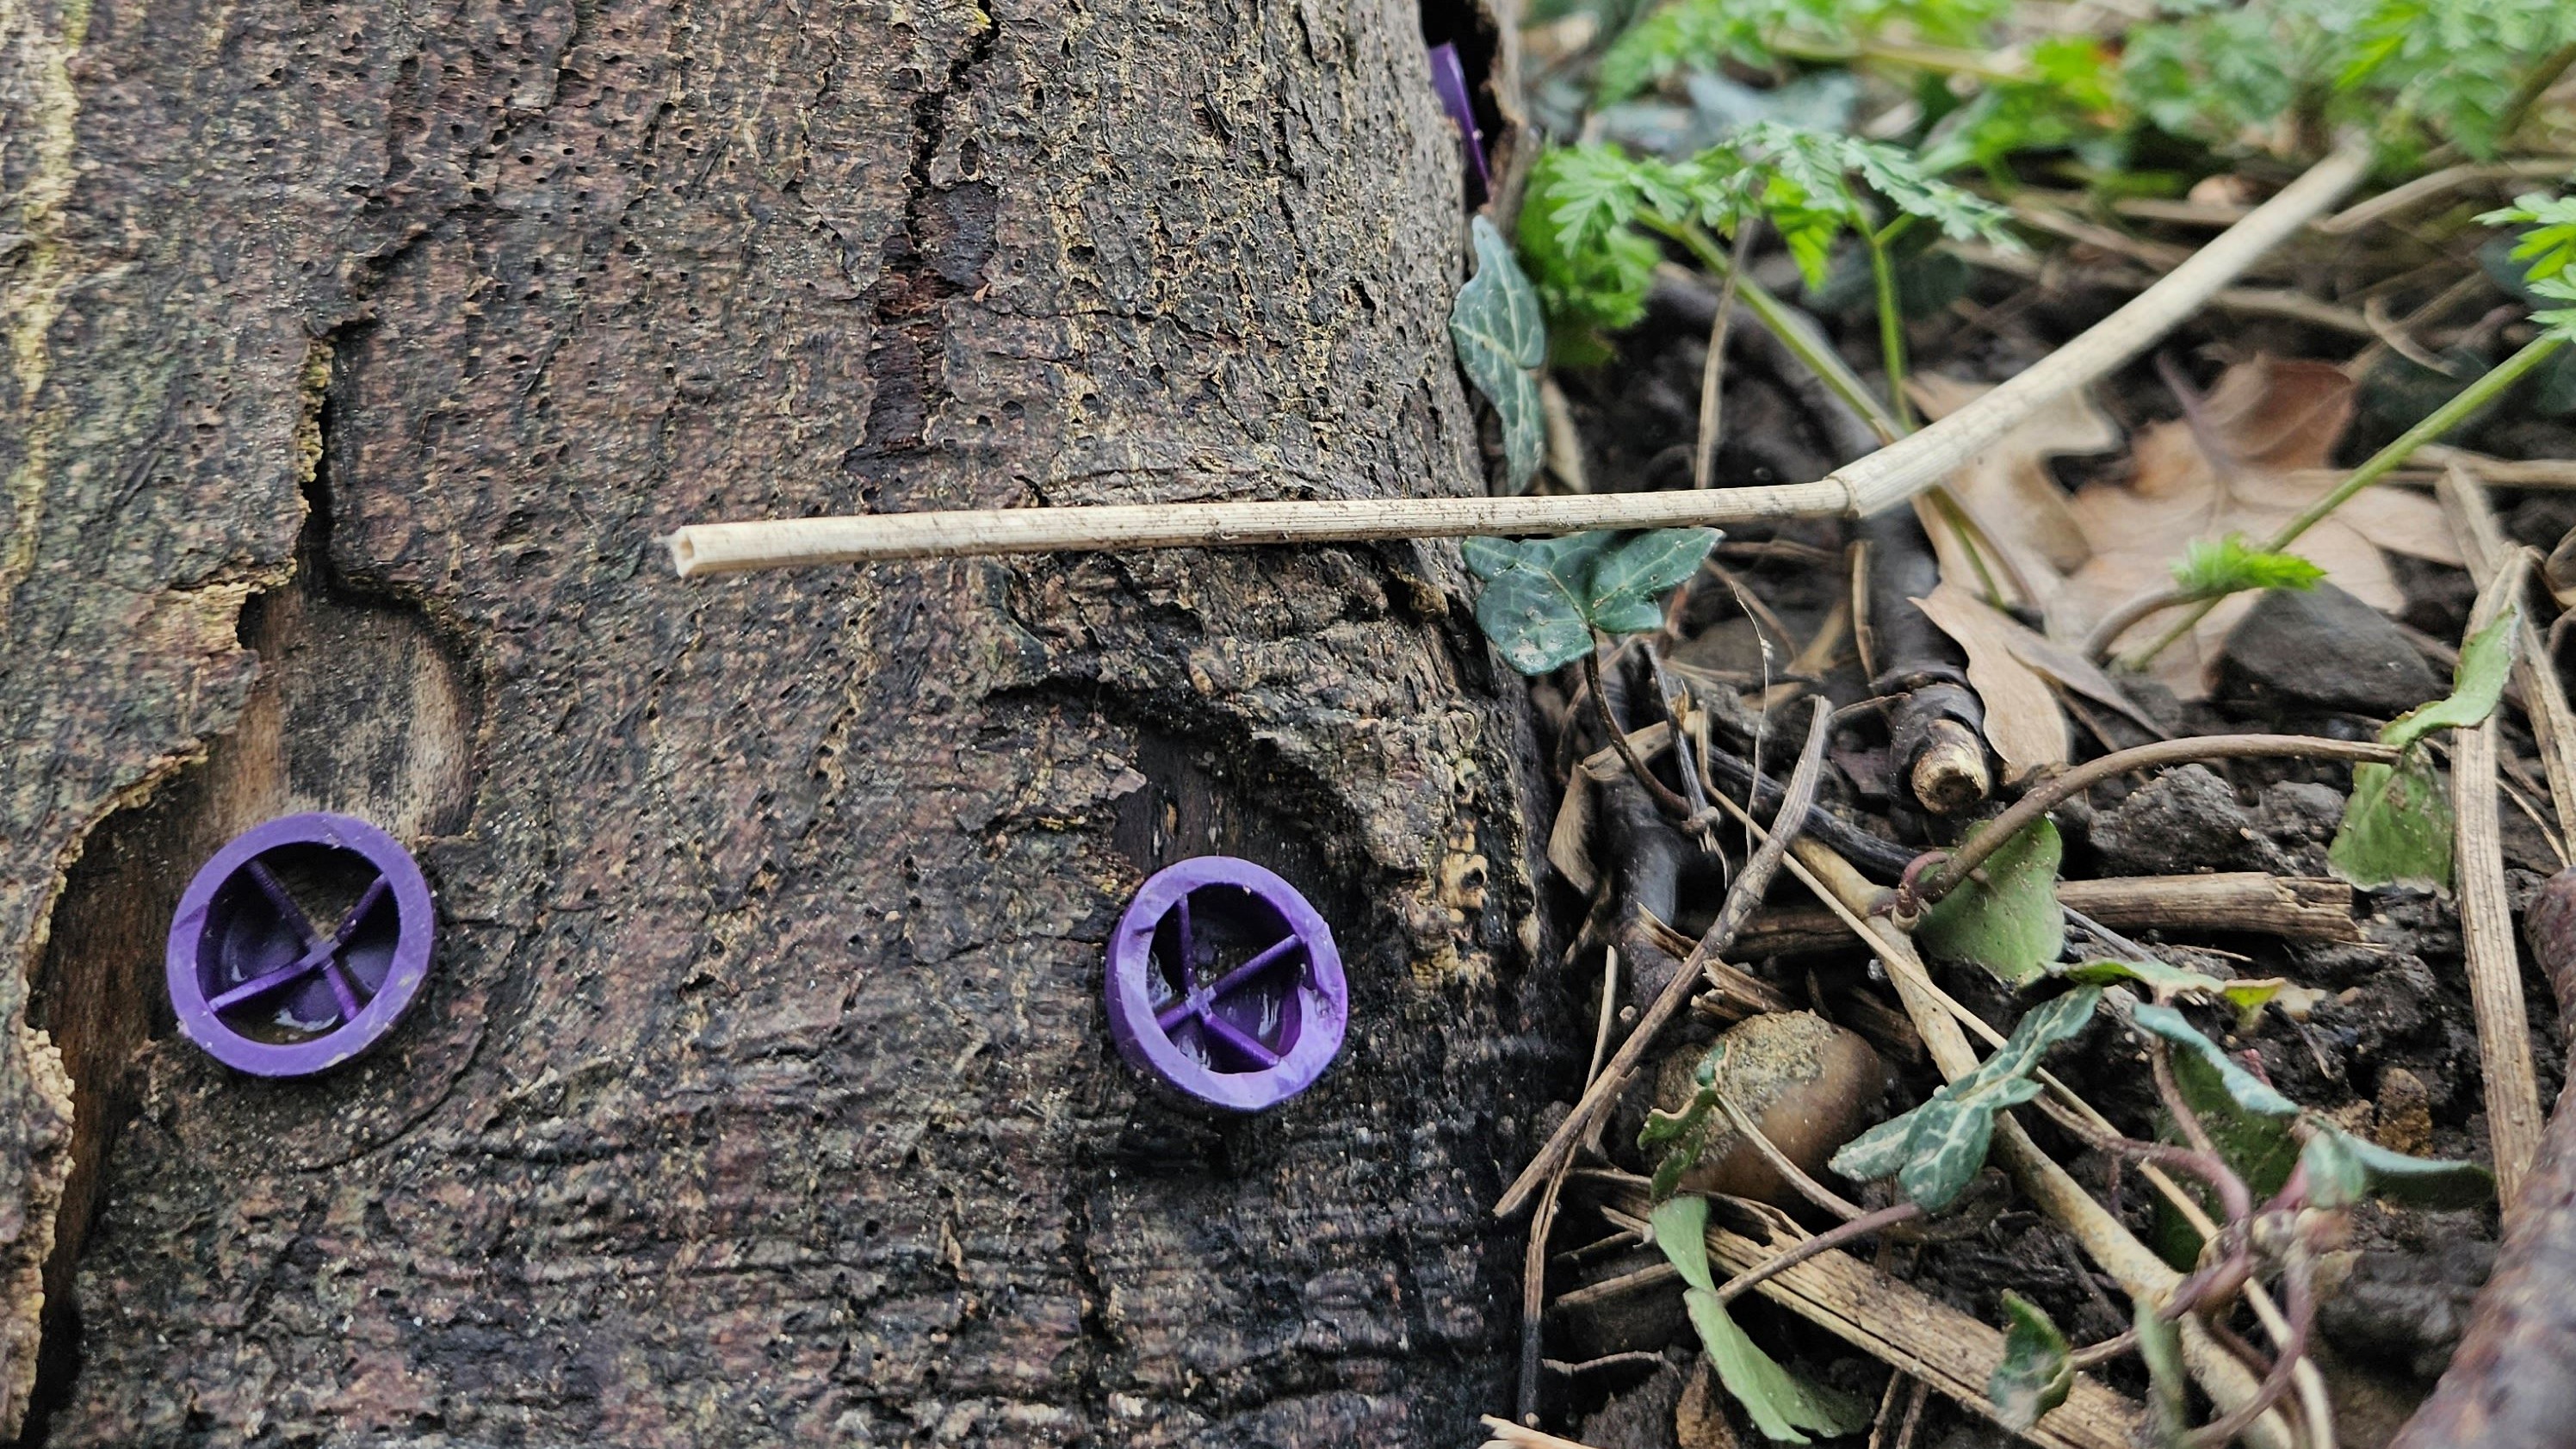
x=1224, y=985
x=1449, y=78
x=260, y=986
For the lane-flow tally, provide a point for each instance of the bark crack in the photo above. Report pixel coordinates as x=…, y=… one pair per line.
x=937, y=253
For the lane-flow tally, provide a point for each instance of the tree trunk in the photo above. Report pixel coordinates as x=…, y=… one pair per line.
x=762, y=1090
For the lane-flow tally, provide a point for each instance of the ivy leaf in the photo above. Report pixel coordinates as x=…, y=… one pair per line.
x=1543, y=597
x=1879, y=1152
x=2009, y=922
x=2215, y=569
x=1935, y=1150
x=2036, y=1374
x=2485, y=659
x=2396, y=827
x=1500, y=336
x=1638, y=572
x=1780, y=1403
x=2172, y=983
x=2344, y=1169
x=2242, y=1087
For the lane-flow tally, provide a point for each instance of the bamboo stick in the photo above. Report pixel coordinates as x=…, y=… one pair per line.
x=1887, y=477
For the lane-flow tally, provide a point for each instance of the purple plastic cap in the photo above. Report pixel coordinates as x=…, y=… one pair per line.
x=260, y=986
x=1449, y=78
x=1224, y=985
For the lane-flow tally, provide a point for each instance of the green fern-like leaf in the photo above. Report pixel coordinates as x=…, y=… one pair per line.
x=2214, y=569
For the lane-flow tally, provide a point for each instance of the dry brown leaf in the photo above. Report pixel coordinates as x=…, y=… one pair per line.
x=2233, y=471
x=2008, y=488
x=1569, y=840
x=2068, y=669
x=2023, y=722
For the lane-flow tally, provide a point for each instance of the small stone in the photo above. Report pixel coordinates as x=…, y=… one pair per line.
x=2323, y=649
x=2298, y=810
x=2408, y=1306
x=2184, y=821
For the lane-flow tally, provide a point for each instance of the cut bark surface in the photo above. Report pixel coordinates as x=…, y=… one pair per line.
x=761, y=1090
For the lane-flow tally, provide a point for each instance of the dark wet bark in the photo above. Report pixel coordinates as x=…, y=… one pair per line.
x=357, y=356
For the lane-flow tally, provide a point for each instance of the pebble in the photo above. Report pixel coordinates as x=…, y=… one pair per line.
x=2323, y=649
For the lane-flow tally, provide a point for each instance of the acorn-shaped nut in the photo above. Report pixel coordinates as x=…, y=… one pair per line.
x=1807, y=1083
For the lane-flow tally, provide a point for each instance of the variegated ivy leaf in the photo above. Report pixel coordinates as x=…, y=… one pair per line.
x=2009, y=922
x=1544, y=597
x=2169, y=983
x=1779, y=1402
x=2344, y=1169
x=2035, y=1374
x=1501, y=336
x=1935, y=1150
x=2243, y=1088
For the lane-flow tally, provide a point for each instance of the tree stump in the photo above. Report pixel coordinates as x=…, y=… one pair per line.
x=761, y=1089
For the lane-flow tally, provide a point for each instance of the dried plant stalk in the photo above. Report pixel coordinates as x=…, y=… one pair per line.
x=1912, y=1332
x=2293, y=908
x=1885, y=478
x=2553, y=725
x=2486, y=927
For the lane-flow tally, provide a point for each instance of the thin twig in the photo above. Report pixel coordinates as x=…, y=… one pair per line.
x=1664, y=796
x=2058, y=789
x=1519, y=1435
x=2553, y=724
x=1790, y=1172
x=1884, y=478
x=1534, y=1291
x=1609, y=1011
x=1712, y=377
x=2300, y=1296
x=1741, y=901
x=1833, y=1237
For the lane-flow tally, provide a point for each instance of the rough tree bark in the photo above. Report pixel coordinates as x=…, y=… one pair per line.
x=356, y=356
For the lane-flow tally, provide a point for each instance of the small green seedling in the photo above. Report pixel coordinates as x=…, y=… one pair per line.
x=2037, y=1371
x=2213, y=569
x=2006, y=917
x=1780, y=1403
x=2398, y=825
x=1684, y=1135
